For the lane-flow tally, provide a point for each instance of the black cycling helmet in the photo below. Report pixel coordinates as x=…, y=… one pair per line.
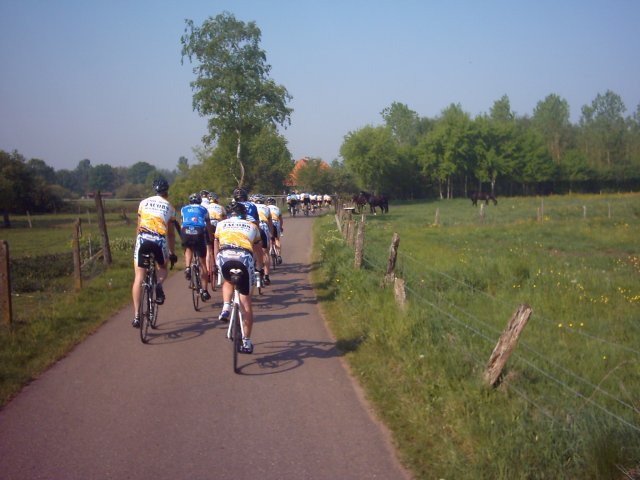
x=258, y=198
x=271, y=201
x=236, y=209
x=213, y=196
x=204, y=193
x=240, y=194
x=160, y=185
x=195, y=198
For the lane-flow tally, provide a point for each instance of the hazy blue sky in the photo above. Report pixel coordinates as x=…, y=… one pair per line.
x=103, y=80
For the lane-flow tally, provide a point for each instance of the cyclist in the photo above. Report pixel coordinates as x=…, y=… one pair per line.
x=155, y=234
x=240, y=195
x=306, y=202
x=292, y=202
x=196, y=227
x=278, y=226
x=266, y=226
x=233, y=246
x=216, y=213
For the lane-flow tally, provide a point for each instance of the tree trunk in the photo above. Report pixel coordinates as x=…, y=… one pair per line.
x=239, y=158
x=7, y=222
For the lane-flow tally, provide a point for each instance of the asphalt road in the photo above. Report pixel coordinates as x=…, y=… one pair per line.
x=173, y=409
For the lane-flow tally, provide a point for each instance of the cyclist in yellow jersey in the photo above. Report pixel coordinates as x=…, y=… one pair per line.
x=266, y=226
x=233, y=245
x=156, y=219
x=278, y=226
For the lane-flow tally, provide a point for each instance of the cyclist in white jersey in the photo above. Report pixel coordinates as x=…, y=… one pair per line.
x=216, y=214
x=278, y=226
x=266, y=226
x=156, y=220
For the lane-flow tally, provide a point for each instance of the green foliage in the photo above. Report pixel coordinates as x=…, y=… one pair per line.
x=567, y=405
x=232, y=86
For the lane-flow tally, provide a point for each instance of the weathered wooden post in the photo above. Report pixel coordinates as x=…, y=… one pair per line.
x=351, y=232
x=29, y=219
x=390, y=274
x=77, y=263
x=400, y=293
x=5, y=284
x=436, y=221
x=357, y=263
x=584, y=211
x=506, y=344
x=102, y=224
x=482, y=212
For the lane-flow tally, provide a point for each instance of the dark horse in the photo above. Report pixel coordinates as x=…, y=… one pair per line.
x=482, y=196
x=360, y=200
x=378, y=201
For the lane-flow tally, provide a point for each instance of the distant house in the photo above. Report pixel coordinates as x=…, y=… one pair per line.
x=292, y=181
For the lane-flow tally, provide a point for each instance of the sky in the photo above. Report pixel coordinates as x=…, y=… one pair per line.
x=104, y=79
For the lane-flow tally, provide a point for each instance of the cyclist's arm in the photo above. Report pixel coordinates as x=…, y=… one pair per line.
x=171, y=236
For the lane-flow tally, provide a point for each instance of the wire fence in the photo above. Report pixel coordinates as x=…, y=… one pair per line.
x=481, y=336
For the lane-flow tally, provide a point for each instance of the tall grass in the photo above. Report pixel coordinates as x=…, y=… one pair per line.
x=568, y=405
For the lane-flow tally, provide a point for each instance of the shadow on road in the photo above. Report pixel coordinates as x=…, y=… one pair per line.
x=283, y=356
x=181, y=330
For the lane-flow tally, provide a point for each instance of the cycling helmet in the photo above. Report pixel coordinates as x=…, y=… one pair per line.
x=240, y=194
x=271, y=201
x=236, y=209
x=160, y=185
x=213, y=196
x=204, y=194
x=195, y=198
x=259, y=198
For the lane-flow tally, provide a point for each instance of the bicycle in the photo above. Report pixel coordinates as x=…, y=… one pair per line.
x=148, y=308
x=306, y=209
x=275, y=255
x=235, y=331
x=195, y=283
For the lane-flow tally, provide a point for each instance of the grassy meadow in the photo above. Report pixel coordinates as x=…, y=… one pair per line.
x=568, y=404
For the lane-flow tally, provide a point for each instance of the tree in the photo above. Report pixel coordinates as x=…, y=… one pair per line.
x=232, y=85
x=16, y=183
x=551, y=119
x=403, y=122
x=314, y=176
x=139, y=172
x=371, y=155
x=501, y=110
x=40, y=168
x=101, y=177
x=604, y=126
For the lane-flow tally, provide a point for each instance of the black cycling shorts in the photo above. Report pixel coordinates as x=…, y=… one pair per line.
x=195, y=239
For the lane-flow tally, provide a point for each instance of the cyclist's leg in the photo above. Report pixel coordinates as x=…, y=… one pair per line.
x=136, y=288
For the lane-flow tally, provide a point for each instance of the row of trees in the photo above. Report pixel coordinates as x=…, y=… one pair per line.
x=449, y=155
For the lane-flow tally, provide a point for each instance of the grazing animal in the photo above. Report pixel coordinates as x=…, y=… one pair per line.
x=482, y=196
x=360, y=200
x=378, y=201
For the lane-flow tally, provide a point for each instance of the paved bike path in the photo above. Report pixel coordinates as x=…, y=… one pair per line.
x=173, y=409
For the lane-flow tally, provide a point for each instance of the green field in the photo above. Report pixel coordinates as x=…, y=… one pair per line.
x=568, y=405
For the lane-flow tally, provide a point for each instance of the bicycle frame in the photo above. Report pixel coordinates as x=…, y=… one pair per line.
x=235, y=331
x=149, y=315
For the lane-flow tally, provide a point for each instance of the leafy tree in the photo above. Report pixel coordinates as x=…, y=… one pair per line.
x=139, y=172
x=232, y=85
x=183, y=165
x=40, y=168
x=501, y=110
x=403, y=122
x=604, y=126
x=315, y=176
x=16, y=183
x=551, y=118
x=371, y=155
x=272, y=161
x=102, y=177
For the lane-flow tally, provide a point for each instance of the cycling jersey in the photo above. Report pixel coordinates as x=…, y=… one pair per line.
x=216, y=213
x=275, y=213
x=252, y=212
x=237, y=233
x=263, y=212
x=155, y=214
x=194, y=216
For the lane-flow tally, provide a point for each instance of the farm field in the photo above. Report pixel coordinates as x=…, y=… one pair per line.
x=568, y=403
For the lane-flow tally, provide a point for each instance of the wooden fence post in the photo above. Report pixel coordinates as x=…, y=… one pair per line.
x=77, y=263
x=400, y=293
x=506, y=344
x=390, y=274
x=436, y=221
x=106, y=250
x=351, y=232
x=5, y=284
x=357, y=263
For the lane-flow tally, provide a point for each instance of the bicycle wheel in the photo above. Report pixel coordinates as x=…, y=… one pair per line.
x=153, y=306
x=145, y=311
x=195, y=286
x=236, y=334
x=274, y=259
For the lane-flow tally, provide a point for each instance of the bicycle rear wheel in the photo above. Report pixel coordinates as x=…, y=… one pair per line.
x=145, y=313
x=236, y=335
x=195, y=286
x=153, y=306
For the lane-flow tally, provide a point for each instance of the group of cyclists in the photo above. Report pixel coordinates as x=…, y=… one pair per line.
x=224, y=238
x=306, y=202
